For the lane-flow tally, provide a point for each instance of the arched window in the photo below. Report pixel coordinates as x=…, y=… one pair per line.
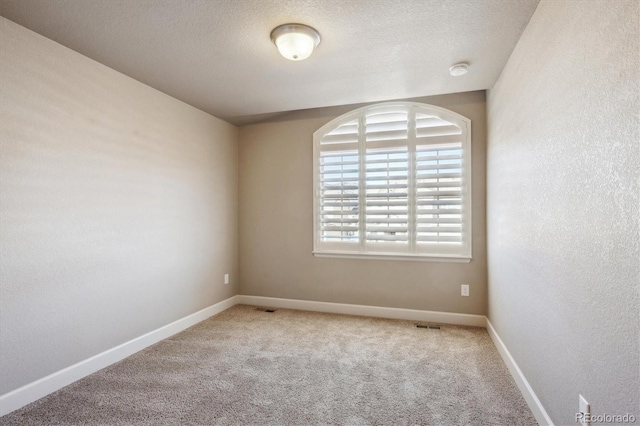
x=393, y=179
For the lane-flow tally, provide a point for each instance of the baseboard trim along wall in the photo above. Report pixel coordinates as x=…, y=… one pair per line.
x=521, y=381
x=365, y=310
x=31, y=392
x=42, y=387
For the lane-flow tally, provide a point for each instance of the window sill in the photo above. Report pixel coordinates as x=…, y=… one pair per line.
x=394, y=256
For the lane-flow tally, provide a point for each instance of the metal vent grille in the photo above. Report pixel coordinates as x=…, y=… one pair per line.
x=430, y=326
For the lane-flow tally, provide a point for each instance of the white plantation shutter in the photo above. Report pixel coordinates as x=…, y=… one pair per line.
x=439, y=183
x=339, y=184
x=386, y=177
x=393, y=179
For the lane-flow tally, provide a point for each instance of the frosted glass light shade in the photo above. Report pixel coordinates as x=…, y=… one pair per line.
x=295, y=41
x=295, y=46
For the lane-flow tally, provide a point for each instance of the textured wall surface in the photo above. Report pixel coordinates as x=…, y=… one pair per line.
x=276, y=225
x=118, y=208
x=562, y=197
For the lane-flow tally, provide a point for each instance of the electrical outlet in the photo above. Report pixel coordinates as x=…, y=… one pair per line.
x=584, y=411
x=226, y=278
x=464, y=290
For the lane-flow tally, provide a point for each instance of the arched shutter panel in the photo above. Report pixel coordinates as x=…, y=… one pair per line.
x=393, y=179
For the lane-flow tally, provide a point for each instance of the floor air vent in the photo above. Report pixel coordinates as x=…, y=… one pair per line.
x=433, y=327
x=265, y=309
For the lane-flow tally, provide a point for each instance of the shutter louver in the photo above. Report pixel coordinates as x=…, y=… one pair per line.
x=339, y=184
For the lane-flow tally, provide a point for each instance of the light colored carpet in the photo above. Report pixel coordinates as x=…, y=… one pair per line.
x=247, y=367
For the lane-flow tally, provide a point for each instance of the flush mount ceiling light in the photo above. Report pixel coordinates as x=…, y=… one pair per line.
x=295, y=41
x=459, y=69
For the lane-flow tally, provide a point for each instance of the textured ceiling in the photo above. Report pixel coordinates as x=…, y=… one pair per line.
x=217, y=55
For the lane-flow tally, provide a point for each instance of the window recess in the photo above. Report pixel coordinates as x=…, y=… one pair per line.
x=393, y=180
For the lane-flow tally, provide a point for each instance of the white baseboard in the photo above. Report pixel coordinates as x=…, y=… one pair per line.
x=33, y=391
x=521, y=381
x=364, y=310
x=42, y=387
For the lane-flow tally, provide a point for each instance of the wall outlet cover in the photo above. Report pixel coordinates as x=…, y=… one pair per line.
x=464, y=290
x=226, y=278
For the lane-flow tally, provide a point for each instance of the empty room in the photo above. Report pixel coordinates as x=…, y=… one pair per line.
x=296, y=212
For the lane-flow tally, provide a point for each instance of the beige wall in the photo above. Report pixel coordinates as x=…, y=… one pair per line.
x=118, y=208
x=276, y=224
x=562, y=196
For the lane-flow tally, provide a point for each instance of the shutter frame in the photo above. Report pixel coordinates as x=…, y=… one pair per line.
x=425, y=186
